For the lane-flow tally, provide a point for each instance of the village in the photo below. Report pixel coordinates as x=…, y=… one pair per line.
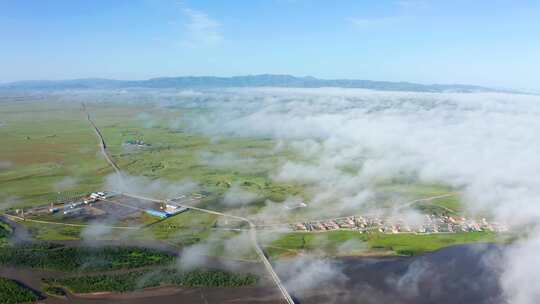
x=429, y=224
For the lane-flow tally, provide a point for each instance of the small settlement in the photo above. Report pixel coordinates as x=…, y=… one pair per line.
x=430, y=224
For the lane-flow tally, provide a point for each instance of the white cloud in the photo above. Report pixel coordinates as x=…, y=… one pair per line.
x=236, y=196
x=407, y=8
x=194, y=256
x=66, y=183
x=306, y=273
x=412, y=4
x=201, y=29
x=142, y=185
x=486, y=144
x=368, y=23
x=5, y=165
x=521, y=279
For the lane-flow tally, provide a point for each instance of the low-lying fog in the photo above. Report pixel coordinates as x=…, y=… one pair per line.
x=485, y=144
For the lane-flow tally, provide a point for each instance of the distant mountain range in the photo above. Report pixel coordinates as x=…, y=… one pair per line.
x=265, y=80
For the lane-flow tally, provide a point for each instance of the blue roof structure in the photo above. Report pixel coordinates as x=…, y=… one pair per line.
x=159, y=214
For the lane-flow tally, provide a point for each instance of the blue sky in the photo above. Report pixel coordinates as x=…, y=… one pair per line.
x=478, y=42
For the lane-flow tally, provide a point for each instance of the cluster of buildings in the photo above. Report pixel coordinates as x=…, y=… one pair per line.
x=175, y=206
x=76, y=207
x=137, y=142
x=166, y=210
x=430, y=224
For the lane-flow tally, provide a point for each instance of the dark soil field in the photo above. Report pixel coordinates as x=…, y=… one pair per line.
x=458, y=274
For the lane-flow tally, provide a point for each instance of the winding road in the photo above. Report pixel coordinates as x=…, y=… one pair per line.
x=252, y=226
x=102, y=144
x=253, y=236
x=252, y=231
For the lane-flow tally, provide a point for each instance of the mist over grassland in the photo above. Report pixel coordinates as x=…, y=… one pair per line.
x=342, y=144
x=484, y=144
x=347, y=140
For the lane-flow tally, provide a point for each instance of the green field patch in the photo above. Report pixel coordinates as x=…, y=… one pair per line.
x=354, y=243
x=327, y=242
x=185, y=228
x=44, y=143
x=415, y=244
x=451, y=205
x=52, y=232
x=418, y=190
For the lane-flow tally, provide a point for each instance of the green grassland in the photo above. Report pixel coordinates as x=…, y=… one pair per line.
x=406, y=191
x=415, y=190
x=415, y=244
x=42, y=143
x=45, y=142
x=291, y=244
x=12, y=293
x=183, y=229
x=45, y=232
x=330, y=243
x=447, y=205
x=176, y=154
x=194, y=227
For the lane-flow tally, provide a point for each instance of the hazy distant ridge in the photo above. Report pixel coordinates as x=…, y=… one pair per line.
x=265, y=80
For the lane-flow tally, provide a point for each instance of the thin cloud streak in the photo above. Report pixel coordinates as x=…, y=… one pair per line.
x=201, y=29
x=367, y=23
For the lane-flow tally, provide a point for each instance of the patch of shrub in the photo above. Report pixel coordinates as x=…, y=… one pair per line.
x=66, y=258
x=11, y=292
x=134, y=280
